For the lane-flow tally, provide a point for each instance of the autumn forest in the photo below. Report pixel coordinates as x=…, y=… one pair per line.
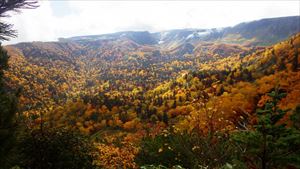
x=181, y=99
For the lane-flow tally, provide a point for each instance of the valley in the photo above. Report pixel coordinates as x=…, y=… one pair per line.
x=119, y=88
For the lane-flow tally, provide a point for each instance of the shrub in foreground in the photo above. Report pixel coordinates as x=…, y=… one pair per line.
x=56, y=149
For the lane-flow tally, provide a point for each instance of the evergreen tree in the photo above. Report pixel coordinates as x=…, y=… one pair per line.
x=56, y=149
x=174, y=104
x=8, y=108
x=272, y=144
x=296, y=118
x=8, y=101
x=165, y=118
x=180, y=99
x=6, y=30
x=295, y=63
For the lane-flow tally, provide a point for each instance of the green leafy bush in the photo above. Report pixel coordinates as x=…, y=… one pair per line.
x=56, y=149
x=189, y=150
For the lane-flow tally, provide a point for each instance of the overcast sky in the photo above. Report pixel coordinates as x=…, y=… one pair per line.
x=54, y=19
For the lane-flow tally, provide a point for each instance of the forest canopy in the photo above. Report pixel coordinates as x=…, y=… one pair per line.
x=125, y=101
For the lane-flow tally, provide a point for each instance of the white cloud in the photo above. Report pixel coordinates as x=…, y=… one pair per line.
x=33, y=24
x=97, y=17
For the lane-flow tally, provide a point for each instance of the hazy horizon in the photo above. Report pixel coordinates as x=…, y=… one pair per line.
x=63, y=19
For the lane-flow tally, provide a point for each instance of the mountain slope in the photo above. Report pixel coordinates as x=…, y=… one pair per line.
x=125, y=82
x=264, y=31
x=141, y=37
x=122, y=80
x=261, y=32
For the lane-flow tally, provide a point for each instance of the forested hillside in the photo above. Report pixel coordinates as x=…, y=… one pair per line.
x=175, y=99
x=121, y=90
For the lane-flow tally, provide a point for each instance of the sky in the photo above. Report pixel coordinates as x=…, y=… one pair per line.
x=66, y=18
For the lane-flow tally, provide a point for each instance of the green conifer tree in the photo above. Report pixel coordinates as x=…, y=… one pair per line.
x=165, y=118
x=272, y=144
x=8, y=110
x=8, y=101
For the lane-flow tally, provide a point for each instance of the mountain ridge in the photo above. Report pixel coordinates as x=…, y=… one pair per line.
x=272, y=29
